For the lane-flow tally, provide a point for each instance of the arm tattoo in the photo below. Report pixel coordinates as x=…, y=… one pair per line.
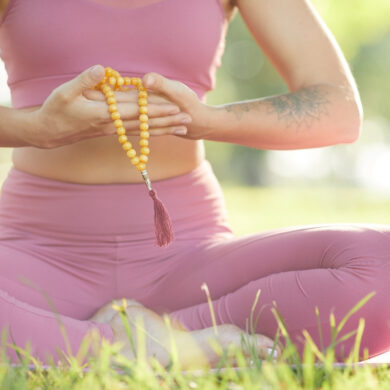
x=300, y=108
x=239, y=109
x=297, y=109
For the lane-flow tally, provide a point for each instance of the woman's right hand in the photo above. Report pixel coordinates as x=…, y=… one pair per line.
x=68, y=115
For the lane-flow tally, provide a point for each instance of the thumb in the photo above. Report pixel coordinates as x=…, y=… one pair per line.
x=176, y=91
x=85, y=80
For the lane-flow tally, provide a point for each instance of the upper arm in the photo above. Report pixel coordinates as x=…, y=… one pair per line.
x=296, y=40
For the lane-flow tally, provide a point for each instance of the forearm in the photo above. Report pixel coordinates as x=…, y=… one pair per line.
x=314, y=116
x=14, y=125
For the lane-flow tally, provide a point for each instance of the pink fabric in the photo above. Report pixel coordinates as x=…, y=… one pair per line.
x=84, y=245
x=157, y=36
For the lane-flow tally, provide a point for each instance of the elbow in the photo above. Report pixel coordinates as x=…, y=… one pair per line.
x=352, y=124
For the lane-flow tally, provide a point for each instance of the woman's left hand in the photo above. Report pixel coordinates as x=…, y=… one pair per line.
x=186, y=99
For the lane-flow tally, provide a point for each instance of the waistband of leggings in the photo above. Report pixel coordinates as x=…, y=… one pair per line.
x=52, y=207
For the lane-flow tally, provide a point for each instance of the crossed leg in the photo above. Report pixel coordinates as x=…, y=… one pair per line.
x=331, y=267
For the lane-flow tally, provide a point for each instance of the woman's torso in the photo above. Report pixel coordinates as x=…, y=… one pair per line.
x=101, y=160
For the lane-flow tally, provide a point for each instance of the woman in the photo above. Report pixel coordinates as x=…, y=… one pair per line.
x=76, y=221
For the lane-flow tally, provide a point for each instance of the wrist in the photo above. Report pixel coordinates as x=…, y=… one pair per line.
x=31, y=129
x=209, y=122
x=217, y=124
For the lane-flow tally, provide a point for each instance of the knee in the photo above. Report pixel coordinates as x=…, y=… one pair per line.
x=357, y=245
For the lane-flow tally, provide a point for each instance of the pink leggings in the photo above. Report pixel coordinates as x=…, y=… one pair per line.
x=83, y=245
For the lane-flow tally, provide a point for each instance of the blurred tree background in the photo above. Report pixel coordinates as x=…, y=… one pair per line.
x=342, y=183
x=362, y=28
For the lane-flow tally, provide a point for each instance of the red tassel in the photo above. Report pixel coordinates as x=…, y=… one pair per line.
x=162, y=222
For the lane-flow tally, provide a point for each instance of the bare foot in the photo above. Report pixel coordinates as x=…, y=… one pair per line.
x=193, y=348
x=229, y=338
x=107, y=312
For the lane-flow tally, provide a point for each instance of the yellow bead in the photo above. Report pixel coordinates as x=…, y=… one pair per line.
x=122, y=139
x=118, y=123
x=113, y=81
x=144, y=126
x=143, y=158
x=112, y=108
x=126, y=146
x=135, y=160
x=115, y=115
x=131, y=153
x=141, y=166
x=121, y=131
x=143, y=110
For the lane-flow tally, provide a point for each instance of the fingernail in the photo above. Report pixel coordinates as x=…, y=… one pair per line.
x=180, y=131
x=149, y=81
x=274, y=354
x=186, y=119
x=95, y=71
x=174, y=110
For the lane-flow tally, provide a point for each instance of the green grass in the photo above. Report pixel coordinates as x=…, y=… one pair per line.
x=256, y=209
x=249, y=210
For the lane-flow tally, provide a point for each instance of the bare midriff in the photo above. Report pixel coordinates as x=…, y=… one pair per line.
x=101, y=160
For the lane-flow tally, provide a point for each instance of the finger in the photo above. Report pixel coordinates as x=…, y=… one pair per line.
x=174, y=90
x=127, y=96
x=153, y=96
x=128, y=112
x=128, y=109
x=172, y=130
x=159, y=122
x=85, y=80
x=153, y=111
x=158, y=131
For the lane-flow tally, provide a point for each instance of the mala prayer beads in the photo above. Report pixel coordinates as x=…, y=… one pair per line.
x=114, y=81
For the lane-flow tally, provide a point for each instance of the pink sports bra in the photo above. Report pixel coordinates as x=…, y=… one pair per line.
x=45, y=43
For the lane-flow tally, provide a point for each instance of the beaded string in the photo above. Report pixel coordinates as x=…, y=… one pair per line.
x=114, y=81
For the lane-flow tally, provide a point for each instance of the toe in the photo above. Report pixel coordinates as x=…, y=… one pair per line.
x=132, y=302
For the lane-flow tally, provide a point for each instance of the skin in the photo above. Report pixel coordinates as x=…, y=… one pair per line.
x=195, y=348
x=322, y=108
x=87, y=153
x=299, y=109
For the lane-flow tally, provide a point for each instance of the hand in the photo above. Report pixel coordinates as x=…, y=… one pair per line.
x=164, y=117
x=186, y=99
x=68, y=116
